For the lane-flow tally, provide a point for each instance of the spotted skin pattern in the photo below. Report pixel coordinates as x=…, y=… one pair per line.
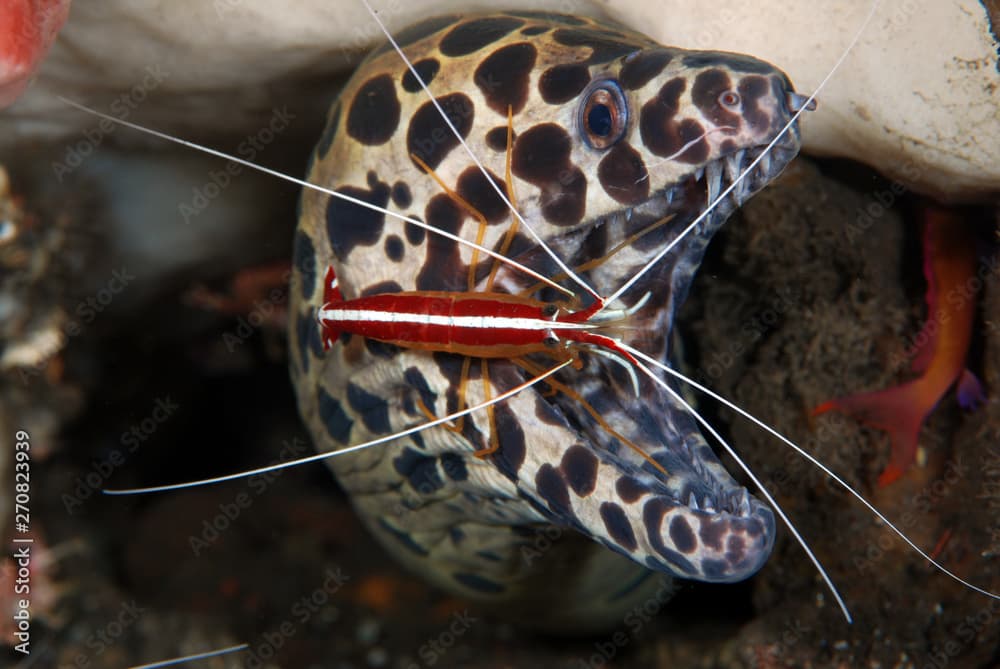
x=467, y=524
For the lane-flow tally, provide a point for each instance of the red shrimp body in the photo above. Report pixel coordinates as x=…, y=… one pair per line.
x=480, y=325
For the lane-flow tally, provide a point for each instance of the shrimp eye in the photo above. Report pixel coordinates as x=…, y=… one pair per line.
x=550, y=310
x=729, y=99
x=550, y=339
x=603, y=114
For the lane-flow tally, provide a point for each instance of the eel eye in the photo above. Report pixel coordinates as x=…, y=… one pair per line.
x=604, y=114
x=730, y=100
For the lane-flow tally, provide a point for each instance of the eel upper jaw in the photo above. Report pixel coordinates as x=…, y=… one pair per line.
x=699, y=489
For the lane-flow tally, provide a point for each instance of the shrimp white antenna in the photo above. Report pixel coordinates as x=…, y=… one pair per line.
x=804, y=106
x=805, y=454
x=191, y=658
x=344, y=451
x=503, y=196
x=327, y=191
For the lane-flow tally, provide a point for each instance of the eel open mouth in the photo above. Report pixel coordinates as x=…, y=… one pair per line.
x=696, y=521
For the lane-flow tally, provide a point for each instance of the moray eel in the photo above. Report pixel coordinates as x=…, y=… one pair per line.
x=611, y=133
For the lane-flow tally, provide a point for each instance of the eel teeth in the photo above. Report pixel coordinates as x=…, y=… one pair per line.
x=713, y=180
x=692, y=501
x=744, y=505
x=764, y=166
x=733, y=164
x=707, y=504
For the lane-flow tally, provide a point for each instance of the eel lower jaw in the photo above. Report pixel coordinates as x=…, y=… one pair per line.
x=698, y=522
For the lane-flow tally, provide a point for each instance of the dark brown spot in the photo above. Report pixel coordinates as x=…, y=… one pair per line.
x=374, y=114
x=643, y=67
x=510, y=457
x=623, y=174
x=304, y=260
x=381, y=288
x=531, y=31
x=618, y=527
x=307, y=339
x=419, y=470
x=562, y=83
x=496, y=138
x=371, y=408
x=394, y=248
x=705, y=92
x=681, y=535
x=653, y=512
x=752, y=89
x=473, y=35
x=401, y=196
x=504, y=75
x=403, y=538
x=426, y=68
x=732, y=61
x=477, y=191
x=349, y=225
x=542, y=157
x=443, y=268
x=419, y=31
x=711, y=532
x=579, y=469
x=736, y=549
x=630, y=489
x=605, y=45
x=478, y=583
x=334, y=418
x=553, y=490
x=664, y=136
x=429, y=137
x=454, y=467
x=414, y=233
